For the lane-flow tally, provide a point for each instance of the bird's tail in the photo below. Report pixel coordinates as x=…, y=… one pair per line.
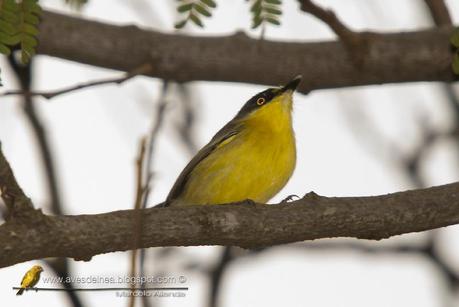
x=20, y=291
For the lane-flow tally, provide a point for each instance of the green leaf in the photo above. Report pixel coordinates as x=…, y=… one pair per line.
x=9, y=39
x=7, y=27
x=195, y=19
x=256, y=22
x=185, y=7
x=25, y=27
x=29, y=41
x=455, y=64
x=32, y=19
x=4, y=49
x=265, y=11
x=256, y=7
x=202, y=10
x=272, y=10
x=9, y=16
x=29, y=29
x=16, y=39
x=272, y=20
x=11, y=6
x=33, y=7
x=454, y=39
x=181, y=24
x=210, y=3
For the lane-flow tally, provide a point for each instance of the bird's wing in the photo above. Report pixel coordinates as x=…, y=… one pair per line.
x=24, y=281
x=35, y=279
x=228, y=131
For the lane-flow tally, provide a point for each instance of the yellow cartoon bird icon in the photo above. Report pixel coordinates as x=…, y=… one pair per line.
x=30, y=278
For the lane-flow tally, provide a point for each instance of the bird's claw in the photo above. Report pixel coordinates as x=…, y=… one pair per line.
x=290, y=198
x=250, y=202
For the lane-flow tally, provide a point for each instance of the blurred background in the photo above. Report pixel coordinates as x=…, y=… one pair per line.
x=351, y=142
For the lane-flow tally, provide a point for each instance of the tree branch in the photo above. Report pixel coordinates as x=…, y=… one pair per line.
x=399, y=57
x=143, y=69
x=244, y=225
x=356, y=43
x=439, y=12
x=11, y=193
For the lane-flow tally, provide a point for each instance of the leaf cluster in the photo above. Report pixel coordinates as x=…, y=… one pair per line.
x=194, y=11
x=18, y=26
x=265, y=11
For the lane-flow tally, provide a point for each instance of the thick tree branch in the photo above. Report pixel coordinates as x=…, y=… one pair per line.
x=400, y=57
x=244, y=225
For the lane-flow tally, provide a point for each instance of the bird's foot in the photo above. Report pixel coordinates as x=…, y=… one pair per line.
x=289, y=198
x=249, y=202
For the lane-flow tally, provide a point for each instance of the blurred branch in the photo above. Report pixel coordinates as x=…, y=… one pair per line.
x=328, y=17
x=189, y=110
x=242, y=224
x=355, y=42
x=140, y=192
x=143, y=69
x=13, y=196
x=397, y=57
x=60, y=266
x=441, y=17
x=217, y=273
x=156, y=126
x=23, y=73
x=439, y=12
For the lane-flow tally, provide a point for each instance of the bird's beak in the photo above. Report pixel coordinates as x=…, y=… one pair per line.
x=292, y=85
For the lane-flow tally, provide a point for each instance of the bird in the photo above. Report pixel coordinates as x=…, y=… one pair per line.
x=251, y=158
x=30, y=278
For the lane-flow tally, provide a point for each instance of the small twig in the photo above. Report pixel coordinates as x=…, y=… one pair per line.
x=439, y=12
x=138, y=214
x=143, y=69
x=186, y=127
x=329, y=17
x=354, y=41
x=159, y=119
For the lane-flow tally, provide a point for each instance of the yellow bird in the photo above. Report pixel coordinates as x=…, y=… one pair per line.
x=251, y=157
x=30, y=278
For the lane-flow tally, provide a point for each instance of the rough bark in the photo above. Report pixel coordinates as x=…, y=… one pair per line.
x=385, y=58
x=37, y=236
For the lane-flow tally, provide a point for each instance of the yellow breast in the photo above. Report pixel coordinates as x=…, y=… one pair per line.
x=254, y=164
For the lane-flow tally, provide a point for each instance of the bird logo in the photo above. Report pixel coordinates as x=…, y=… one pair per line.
x=30, y=278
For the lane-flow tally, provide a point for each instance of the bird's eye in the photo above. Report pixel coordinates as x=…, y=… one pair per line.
x=260, y=101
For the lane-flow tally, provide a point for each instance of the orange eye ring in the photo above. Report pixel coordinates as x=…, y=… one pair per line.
x=260, y=101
